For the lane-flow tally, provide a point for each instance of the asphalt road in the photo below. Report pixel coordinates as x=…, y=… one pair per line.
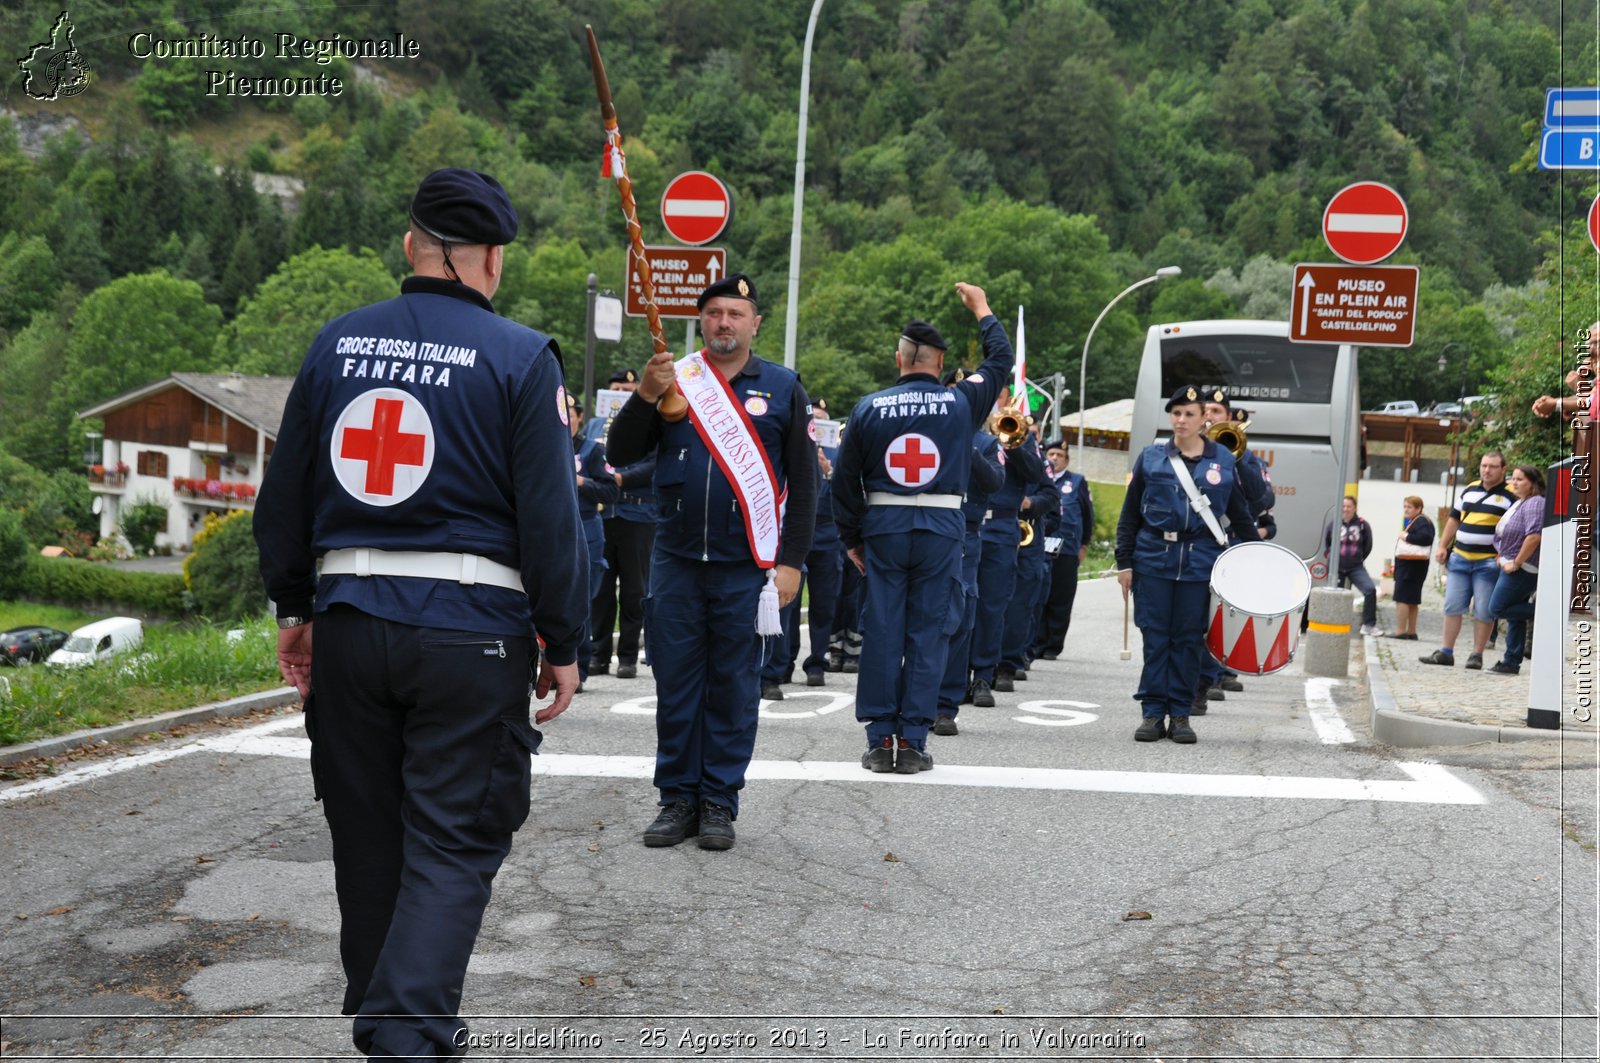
x=1310, y=895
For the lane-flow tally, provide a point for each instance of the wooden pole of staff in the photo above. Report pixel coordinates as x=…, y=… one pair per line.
x=1126, y=656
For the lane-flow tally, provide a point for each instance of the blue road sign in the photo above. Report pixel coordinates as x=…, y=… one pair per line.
x=1574, y=108
x=1569, y=149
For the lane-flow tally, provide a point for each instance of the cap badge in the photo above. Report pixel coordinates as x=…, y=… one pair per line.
x=744, y=288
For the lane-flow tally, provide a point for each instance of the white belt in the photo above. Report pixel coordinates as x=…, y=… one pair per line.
x=466, y=569
x=885, y=498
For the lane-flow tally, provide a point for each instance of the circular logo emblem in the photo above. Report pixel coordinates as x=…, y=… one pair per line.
x=811, y=429
x=756, y=405
x=976, y=378
x=383, y=447
x=912, y=460
x=1213, y=476
x=561, y=403
x=1066, y=488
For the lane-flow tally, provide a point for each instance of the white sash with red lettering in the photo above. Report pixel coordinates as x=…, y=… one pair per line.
x=725, y=428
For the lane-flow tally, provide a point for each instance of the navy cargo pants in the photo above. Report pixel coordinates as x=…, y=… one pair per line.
x=420, y=752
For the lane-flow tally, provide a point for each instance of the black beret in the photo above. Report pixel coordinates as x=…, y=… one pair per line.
x=733, y=286
x=1216, y=395
x=924, y=335
x=954, y=376
x=1056, y=444
x=1185, y=396
x=624, y=376
x=1239, y=413
x=464, y=207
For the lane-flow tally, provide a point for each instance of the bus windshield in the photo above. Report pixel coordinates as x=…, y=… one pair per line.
x=1250, y=367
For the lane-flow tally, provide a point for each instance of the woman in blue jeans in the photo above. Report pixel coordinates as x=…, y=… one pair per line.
x=1516, y=544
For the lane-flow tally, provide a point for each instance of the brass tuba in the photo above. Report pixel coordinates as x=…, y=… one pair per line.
x=1229, y=434
x=1027, y=534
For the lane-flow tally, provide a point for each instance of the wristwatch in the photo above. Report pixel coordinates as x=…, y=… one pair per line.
x=287, y=622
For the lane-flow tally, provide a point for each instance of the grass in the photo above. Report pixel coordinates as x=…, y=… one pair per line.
x=30, y=614
x=179, y=666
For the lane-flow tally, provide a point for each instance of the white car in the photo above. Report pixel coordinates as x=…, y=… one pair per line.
x=98, y=641
x=1401, y=408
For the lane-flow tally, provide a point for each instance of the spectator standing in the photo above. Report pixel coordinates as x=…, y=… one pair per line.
x=1355, y=543
x=1516, y=544
x=1411, y=552
x=1466, y=548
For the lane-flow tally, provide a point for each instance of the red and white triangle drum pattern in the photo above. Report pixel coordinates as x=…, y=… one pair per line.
x=1258, y=596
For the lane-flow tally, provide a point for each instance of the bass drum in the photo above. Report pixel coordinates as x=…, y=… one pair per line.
x=1258, y=598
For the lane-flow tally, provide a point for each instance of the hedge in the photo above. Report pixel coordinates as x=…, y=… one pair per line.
x=73, y=582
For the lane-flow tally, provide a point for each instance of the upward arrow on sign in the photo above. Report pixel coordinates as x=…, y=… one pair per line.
x=714, y=269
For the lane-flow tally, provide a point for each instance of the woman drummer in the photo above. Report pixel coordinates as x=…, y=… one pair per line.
x=1165, y=551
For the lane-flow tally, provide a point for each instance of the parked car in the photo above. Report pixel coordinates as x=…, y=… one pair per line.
x=28, y=645
x=1400, y=408
x=98, y=641
x=1443, y=409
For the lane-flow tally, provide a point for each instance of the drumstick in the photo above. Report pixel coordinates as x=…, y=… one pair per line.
x=1125, y=654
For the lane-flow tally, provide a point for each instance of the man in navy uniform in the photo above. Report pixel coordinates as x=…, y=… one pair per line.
x=1041, y=510
x=987, y=474
x=1077, y=527
x=997, y=569
x=720, y=547
x=415, y=460
x=903, y=469
x=597, y=489
x=630, y=526
x=821, y=578
x=1168, y=538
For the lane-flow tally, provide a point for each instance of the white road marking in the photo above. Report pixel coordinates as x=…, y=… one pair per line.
x=1060, y=717
x=645, y=705
x=1427, y=783
x=1325, y=717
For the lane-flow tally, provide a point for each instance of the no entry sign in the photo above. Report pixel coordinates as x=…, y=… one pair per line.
x=696, y=207
x=1365, y=222
x=1594, y=224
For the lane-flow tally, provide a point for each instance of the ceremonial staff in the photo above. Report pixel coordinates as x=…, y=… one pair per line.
x=673, y=406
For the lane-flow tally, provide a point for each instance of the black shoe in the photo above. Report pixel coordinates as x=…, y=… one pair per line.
x=1020, y=675
x=771, y=691
x=909, y=760
x=835, y=661
x=676, y=822
x=1198, y=707
x=627, y=670
x=880, y=758
x=945, y=725
x=814, y=679
x=716, y=826
x=850, y=665
x=1502, y=668
x=1179, y=731
x=1048, y=656
x=1151, y=730
x=966, y=699
x=1214, y=694
x=1230, y=683
x=580, y=687
x=1439, y=657
x=982, y=696
x=1474, y=662
x=1002, y=682
x=599, y=667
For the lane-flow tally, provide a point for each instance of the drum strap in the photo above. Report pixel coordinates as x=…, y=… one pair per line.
x=1198, y=501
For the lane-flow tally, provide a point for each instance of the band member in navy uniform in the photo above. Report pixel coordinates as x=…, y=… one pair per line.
x=1215, y=680
x=630, y=526
x=1166, y=547
x=1041, y=511
x=985, y=478
x=903, y=469
x=1077, y=528
x=597, y=489
x=997, y=569
x=820, y=579
x=721, y=474
x=414, y=459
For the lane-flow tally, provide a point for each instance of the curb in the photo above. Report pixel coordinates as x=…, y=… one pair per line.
x=50, y=747
x=1396, y=728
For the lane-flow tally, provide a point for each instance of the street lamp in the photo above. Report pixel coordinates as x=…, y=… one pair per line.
x=1083, y=365
x=1461, y=414
x=791, y=312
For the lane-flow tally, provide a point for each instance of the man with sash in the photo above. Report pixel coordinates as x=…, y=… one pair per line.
x=897, y=492
x=736, y=497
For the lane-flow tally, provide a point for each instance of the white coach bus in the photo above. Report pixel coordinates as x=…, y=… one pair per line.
x=1304, y=403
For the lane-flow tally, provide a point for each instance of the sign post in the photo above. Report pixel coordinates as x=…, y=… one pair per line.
x=696, y=207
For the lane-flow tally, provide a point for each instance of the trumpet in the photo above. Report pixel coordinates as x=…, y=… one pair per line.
x=1229, y=434
x=1027, y=534
x=1010, y=425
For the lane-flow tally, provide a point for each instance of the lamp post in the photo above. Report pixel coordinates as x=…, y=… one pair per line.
x=791, y=312
x=1083, y=364
x=1461, y=414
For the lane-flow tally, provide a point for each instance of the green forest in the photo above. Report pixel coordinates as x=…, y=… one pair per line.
x=1053, y=151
